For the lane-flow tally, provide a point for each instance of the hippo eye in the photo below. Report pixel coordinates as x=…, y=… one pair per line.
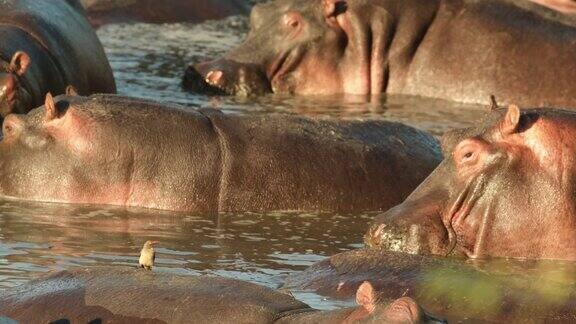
x=468, y=155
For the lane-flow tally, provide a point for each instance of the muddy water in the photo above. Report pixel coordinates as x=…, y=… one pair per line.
x=148, y=61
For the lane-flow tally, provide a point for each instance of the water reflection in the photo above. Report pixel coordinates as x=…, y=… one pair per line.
x=37, y=237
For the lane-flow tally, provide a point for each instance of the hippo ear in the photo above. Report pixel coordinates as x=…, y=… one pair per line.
x=333, y=8
x=50, y=107
x=71, y=91
x=20, y=62
x=511, y=120
x=366, y=297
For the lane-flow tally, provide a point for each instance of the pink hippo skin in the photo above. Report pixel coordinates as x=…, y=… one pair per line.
x=128, y=295
x=505, y=189
x=108, y=149
x=462, y=50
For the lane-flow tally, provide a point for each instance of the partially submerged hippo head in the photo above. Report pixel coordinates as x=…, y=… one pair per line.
x=373, y=310
x=303, y=47
x=13, y=97
x=505, y=189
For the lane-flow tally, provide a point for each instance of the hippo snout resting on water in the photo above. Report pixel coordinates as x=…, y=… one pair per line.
x=504, y=189
x=45, y=46
x=108, y=149
x=132, y=296
x=462, y=50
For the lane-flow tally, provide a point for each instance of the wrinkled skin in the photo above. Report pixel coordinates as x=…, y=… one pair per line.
x=130, y=295
x=460, y=50
x=46, y=46
x=115, y=150
x=166, y=11
x=504, y=189
x=498, y=291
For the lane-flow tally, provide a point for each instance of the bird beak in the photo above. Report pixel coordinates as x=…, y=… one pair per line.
x=154, y=242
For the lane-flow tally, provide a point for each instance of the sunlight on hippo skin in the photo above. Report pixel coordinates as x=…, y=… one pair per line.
x=487, y=198
x=328, y=47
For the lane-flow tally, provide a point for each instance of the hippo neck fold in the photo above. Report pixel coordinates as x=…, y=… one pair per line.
x=383, y=38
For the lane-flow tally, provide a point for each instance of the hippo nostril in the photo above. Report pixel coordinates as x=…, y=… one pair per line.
x=214, y=77
x=196, y=82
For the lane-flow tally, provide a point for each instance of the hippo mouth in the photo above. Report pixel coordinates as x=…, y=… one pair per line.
x=460, y=210
x=281, y=67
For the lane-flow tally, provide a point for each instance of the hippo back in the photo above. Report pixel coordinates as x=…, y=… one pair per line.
x=132, y=295
x=63, y=30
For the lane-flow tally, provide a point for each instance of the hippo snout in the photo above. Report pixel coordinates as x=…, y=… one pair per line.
x=226, y=77
x=393, y=237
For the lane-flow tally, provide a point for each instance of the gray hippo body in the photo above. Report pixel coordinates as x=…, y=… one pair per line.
x=462, y=50
x=115, y=150
x=128, y=295
x=46, y=46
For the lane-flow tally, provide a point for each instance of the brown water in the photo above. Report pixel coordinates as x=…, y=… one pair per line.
x=148, y=61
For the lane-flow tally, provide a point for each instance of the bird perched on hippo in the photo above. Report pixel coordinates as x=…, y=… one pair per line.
x=45, y=46
x=462, y=50
x=126, y=295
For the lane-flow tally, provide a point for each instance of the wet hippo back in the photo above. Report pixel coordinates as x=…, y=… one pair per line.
x=132, y=295
x=134, y=152
x=323, y=164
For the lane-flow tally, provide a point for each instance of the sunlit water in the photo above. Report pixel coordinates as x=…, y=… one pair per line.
x=148, y=61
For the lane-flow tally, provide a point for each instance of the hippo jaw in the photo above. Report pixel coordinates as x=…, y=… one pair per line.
x=226, y=77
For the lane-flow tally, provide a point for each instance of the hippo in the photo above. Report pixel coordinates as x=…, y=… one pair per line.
x=504, y=189
x=46, y=46
x=108, y=149
x=102, y=12
x=459, y=50
x=491, y=291
x=125, y=294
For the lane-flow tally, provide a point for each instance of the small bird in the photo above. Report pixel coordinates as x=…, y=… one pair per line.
x=147, y=255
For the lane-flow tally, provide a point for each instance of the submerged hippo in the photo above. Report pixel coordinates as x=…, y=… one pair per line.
x=108, y=149
x=504, y=189
x=164, y=11
x=129, y=295
x=492, y=291
x=462, y=50
x=45, y=46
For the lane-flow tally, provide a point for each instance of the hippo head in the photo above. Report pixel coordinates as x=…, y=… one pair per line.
x=13, y=97
x=504, y=189
x=373, y=310
x=53, y=154
x=301, y=47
